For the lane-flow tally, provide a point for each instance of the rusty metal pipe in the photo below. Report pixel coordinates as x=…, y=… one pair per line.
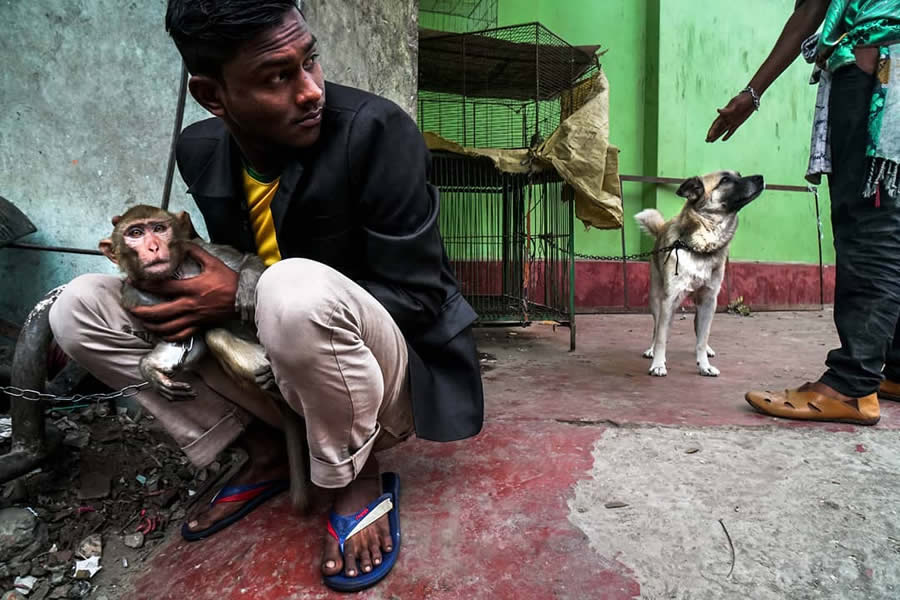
x=179, y=121
x=46, y=248
x=31, y=442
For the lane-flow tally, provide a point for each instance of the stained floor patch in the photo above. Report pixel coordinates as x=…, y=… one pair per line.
x=809, y=514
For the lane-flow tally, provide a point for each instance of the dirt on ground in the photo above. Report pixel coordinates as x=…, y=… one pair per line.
x=114, y=477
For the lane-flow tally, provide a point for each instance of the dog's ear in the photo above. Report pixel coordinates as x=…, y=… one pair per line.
x=692, y=189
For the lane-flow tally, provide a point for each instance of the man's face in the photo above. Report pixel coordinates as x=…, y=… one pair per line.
x=273, y=90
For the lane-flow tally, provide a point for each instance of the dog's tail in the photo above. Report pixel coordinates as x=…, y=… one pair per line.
x=650, y=221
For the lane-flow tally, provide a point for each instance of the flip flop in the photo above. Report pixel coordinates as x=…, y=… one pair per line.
x=252, y=495
x=342, y=527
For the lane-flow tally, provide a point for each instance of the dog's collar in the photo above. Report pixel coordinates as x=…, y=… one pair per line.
x=680, y=244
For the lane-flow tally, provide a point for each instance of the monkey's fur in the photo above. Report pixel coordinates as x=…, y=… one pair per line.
x=234, y=344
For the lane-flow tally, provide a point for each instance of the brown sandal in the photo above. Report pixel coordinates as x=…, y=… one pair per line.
x=889, y=390
x=807, y=405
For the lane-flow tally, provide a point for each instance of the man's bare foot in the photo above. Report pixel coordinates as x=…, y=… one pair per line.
x=366, y=547
x=266, y=462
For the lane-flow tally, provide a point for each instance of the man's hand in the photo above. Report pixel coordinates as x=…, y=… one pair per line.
x=198, y=301
x=731, y=117
x=803, y=22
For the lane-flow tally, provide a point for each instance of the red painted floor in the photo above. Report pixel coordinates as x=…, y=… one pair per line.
x=480, y=519
x=488, y=517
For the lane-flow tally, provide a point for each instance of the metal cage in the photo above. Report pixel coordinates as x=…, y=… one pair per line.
x=509, y=236
x=499, y=88
x=459, y=15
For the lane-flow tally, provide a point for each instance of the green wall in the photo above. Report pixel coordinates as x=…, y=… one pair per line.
x=670, y=64
x=705, y=59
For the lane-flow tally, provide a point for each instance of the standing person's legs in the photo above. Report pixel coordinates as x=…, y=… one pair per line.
x=867, y=246
x=890, y=387
x=341, y=361
x=867, y=286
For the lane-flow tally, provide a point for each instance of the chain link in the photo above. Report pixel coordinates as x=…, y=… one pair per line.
x=35, y=396
x=678, y=245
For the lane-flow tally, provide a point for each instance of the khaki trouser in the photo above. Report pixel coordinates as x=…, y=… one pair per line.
x=337, y=355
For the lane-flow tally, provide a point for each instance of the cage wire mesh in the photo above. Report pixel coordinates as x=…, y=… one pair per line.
x=509, y=236
x=458, y=16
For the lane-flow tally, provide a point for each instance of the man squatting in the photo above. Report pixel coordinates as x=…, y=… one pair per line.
x=359, y=311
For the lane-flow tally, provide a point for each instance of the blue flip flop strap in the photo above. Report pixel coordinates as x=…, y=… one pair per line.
x=233, y=490
x=341, y=525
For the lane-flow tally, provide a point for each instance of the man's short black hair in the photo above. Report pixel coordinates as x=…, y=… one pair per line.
x=208, y=33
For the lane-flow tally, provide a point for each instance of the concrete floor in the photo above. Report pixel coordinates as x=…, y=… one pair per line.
x=520, y=511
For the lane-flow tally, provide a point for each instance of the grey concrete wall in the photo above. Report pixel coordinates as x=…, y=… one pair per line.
x=88, y=91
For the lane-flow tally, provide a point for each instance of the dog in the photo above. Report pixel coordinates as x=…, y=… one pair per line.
x=704, y=227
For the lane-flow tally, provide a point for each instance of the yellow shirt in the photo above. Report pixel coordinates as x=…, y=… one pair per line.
x=259, y=198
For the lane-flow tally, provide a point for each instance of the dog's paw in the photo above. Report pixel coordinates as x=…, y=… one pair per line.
x=648, y=353
x=658, y=371
x=710, y=352
x=708, y=371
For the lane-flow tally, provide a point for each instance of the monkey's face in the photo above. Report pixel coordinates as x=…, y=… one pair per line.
x=149, y=249
x=148, y=242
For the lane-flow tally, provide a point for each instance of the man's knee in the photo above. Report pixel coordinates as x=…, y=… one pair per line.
x=297, y=288
x=295, y=299
x=81, y=298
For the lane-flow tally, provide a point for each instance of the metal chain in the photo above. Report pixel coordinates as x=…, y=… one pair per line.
x=35, y=396
x=677, y=245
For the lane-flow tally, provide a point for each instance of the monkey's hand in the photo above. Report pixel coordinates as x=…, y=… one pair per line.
x=157, y=366
x=265, y=379
x=169, y=389
x=197, y=302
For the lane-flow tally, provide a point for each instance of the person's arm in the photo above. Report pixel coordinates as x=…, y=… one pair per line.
x=802, y=23
x=403, y=254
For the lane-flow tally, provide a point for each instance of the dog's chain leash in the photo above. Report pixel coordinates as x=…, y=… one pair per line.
x=35, y=396
x=674, y=247
x=678, y=245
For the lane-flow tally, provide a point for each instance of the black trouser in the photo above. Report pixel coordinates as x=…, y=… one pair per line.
x=867, y=249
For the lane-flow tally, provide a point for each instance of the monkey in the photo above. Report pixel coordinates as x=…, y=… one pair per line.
x=149, y=244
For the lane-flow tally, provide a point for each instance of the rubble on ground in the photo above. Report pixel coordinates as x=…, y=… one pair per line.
x=71, y=528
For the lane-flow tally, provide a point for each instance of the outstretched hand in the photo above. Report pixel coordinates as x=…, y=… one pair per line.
x=196, y=302
x=731, y=117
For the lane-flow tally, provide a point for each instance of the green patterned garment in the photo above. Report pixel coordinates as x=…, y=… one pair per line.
x=883, y=142
x=853, y=23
